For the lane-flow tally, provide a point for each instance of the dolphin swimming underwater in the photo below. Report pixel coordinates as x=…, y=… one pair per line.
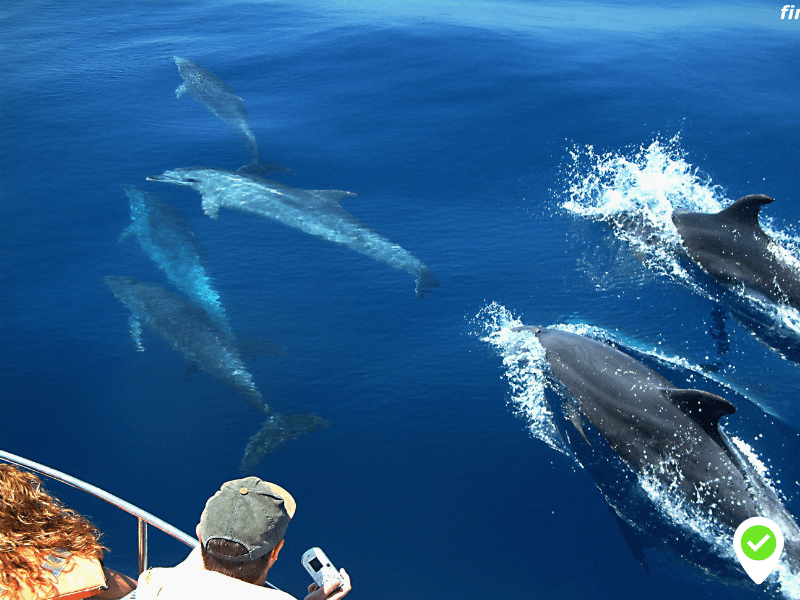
x=164, y=235
x=187, y=328
x=732, y=247
x=213, y=93
x=661, y=431
x=316, y=212
x=192, y=332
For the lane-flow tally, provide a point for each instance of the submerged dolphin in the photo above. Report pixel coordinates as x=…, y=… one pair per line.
x=731, y=247
x=164, y=235
x=216, y=96
x=316, y=212
x=661, y=431
x=188, y=329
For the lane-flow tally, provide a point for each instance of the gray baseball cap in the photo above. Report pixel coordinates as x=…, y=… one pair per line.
x=250, y=511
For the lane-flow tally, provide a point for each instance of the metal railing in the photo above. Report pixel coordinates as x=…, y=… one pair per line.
x=144, y=517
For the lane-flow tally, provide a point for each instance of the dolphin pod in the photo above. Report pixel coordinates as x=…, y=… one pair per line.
x=198, y=328
x=662, y=431
x=316, y=212
x=732, y=247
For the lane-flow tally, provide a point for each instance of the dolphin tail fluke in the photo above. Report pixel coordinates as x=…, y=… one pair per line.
x=425, y=282
x=277, y=430
x=260, y=167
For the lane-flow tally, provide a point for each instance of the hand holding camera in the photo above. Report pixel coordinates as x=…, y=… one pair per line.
x=329, y=584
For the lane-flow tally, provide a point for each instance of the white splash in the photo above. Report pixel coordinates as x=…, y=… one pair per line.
x=789, y=581
x=679, y=511
x=719, y=538
x=636, y=193
x=751, y=456
x=525, y=364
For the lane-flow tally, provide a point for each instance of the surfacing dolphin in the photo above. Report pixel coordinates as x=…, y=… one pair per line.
x=164, y=235
x=732, y=247
x=661, y=431
x=220, y=99
x=316, y=212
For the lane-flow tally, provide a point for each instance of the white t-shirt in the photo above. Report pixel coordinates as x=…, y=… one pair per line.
x=190, y=581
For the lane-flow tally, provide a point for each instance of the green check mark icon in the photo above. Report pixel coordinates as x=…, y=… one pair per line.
x=758, y=542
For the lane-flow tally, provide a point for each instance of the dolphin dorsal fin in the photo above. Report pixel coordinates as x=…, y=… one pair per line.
x=704, y=408
x=331, y=195
x=745, y=210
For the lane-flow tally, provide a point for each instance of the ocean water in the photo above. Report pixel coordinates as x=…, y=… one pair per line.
x=529, y=154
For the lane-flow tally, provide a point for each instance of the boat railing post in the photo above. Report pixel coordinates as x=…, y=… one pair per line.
x=143, y=562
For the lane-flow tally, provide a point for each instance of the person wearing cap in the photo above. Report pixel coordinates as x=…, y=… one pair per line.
x=241, y=534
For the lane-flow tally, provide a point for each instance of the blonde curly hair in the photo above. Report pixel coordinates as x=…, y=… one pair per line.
x=32, y=525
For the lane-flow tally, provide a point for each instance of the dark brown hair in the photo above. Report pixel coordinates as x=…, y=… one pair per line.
x=248, y=571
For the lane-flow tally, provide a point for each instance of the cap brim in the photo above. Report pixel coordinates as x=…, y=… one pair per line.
x=288, y=502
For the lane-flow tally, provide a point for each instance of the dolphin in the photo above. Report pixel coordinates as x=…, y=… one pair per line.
x=213, y=93
x=192, y=332
x=316, y=212
x=164, y=235
x=662, y=431
x=187, y=328
x=732, y=247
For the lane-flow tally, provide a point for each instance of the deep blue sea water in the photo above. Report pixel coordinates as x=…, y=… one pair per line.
x=495, y=141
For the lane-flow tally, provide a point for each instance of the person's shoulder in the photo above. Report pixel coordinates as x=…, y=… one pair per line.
x=176, y=582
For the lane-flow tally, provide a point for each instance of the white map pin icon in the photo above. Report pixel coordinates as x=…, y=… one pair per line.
x=758, y=543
